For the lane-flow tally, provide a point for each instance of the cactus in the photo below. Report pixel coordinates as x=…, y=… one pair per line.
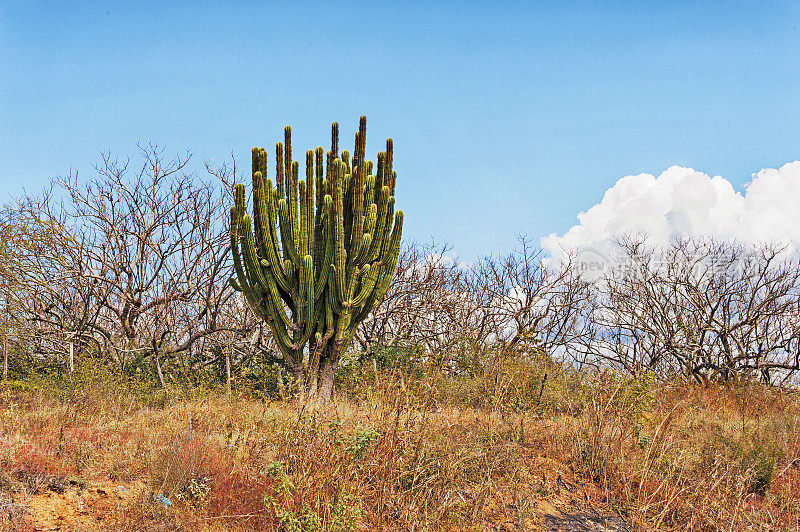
x=318, y=254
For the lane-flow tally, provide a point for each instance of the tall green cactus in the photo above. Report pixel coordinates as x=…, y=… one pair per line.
x=318, y=254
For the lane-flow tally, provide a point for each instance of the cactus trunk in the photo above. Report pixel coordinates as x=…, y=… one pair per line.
x=318, y=254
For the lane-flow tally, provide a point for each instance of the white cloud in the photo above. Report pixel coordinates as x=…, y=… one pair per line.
x=684, y=202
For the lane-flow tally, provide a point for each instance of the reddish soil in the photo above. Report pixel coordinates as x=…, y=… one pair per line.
x=79, y=509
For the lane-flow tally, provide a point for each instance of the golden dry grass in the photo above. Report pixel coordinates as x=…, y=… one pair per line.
x=663, y=456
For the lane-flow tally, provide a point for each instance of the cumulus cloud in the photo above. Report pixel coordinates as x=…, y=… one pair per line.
x=682, y=202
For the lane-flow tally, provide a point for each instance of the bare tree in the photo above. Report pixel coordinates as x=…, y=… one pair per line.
x=134, y=260
x=428, y=306
x=12, y=239
x=531, y=303
x=712, y=310
x=461, y=314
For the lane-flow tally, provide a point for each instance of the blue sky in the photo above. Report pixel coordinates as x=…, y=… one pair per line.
x=508, y=118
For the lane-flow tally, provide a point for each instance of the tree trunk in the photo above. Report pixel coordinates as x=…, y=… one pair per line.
x=71, y=359
x=327, y=372
x=158, y=370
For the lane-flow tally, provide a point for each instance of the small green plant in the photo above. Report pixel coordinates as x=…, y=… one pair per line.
x=760, y=461
x=757, y=460
x=361, y=441
x=345, y=512
x=277, y=470
x=335, y=428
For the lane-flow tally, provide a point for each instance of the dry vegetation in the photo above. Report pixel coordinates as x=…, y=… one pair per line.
x=416, y=451
x=139, y=392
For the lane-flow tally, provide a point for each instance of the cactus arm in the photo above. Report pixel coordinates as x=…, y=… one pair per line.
x=280, y=295
x=280, y=193
x=347, y=215
x=303, y=234
x=379, y=233
x=300, y=298
x=329, y=315
x=255, y=154
x=340, y=255
x=335, y=139
x=291, y=273
x=389, y=173
x=369, y=304
x=292, y=201
x=320, y=239
x=272, y=211
x=351, y=276
x=254, y=296
x=292, y=220
x=262, y=161
x=357, y=190
x=369, y=199
x=369, y=229
x=271, y=235
x=363, y=250
x=346, y=160
x=237, y=260
x=380, y=173
x=260, y=215
x=336, y=292
x=256, y=175
x=234, y=284
x=309, y=201
x=347, y=175
x=287, y=158
x=251, y=261
x=308, y=282
x=320, y=191
x=388, y=225
x=389, y=261
x=265, y=283
x=279, y=181
x=238, y=210
x=390, y=257
x=370, y=276
x=329, y=164
x=251, y=293
x=340, y=333
x=371, y=220
x=392, y=253
x=326, y=261
x=278, y=328
x=286, y=233
x=276, y=308
x=311, y=331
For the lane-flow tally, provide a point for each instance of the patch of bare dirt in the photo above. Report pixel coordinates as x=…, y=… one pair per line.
x=81, y=509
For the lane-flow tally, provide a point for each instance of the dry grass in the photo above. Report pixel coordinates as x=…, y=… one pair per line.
x=665, y=457
x=683, y=457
